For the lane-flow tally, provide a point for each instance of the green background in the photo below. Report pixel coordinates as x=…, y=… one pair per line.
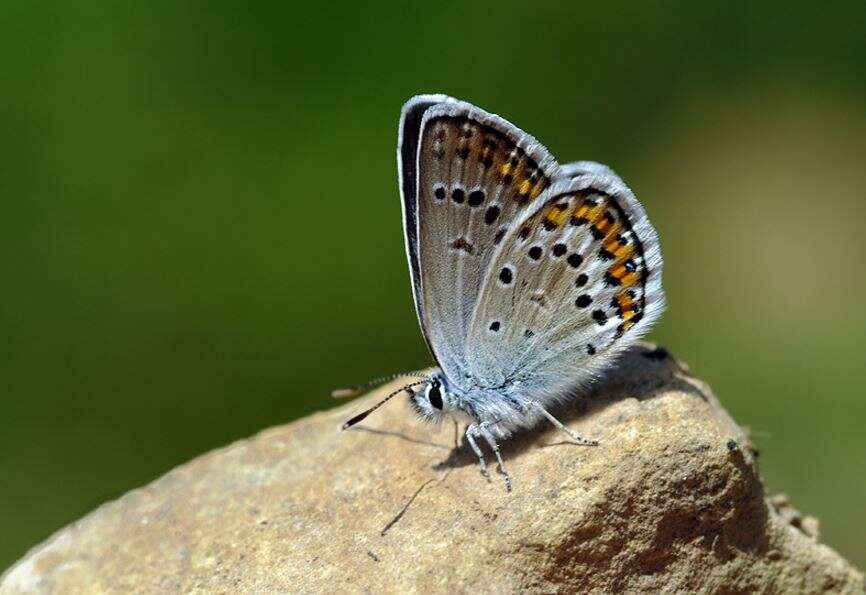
x=200, y=227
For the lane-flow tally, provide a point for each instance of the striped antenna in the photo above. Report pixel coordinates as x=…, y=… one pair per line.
x=364, y=414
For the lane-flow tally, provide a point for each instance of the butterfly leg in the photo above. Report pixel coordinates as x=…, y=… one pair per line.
x=470, y=437
x=456, y=434
x=482, y=428
x=570, y=433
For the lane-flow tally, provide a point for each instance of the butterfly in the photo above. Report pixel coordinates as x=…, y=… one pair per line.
x=528, y=276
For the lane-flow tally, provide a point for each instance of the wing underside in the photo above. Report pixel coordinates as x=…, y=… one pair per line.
x=473, y=174
x=524, y=272
x=577, y=280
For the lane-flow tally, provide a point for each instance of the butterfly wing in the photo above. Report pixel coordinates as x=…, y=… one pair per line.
x=574, y=281
x=465, y=177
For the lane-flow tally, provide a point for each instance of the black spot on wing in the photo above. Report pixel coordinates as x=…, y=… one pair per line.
x=491, y=214
x=506, y=275
x=476, y=197
x=575, y=260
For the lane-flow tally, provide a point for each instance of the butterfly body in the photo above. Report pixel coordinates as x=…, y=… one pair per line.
x=528, y=277
x=505, y=408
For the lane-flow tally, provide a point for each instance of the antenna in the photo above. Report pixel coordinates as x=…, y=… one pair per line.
x=353, y=391
x=361, y=416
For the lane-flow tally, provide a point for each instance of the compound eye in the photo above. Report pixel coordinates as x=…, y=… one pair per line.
x=435, y=395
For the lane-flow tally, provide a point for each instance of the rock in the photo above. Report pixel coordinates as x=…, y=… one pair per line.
x=670, y=500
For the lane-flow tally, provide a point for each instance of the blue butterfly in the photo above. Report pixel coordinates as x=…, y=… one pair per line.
x=528, y=276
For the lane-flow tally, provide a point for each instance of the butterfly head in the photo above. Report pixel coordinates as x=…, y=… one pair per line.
x=433, y=398
x=429, y=396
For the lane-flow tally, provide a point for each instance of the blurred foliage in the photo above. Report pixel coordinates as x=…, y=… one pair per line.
x=201, y=231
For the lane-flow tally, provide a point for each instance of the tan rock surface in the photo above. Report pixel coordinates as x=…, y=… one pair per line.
x=670, y=500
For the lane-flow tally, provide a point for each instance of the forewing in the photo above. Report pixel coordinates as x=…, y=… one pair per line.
x=575, y=281
x=466, y=176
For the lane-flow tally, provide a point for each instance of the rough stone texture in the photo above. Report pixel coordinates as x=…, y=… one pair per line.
x=670, y=500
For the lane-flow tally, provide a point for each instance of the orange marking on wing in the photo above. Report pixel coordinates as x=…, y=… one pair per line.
x=626, y=306
x=624, y=301
x=619, y=251
x=556, y=217
x=605, y=227
x=596, y=212
x=619, y=271
x=621, y=274
x=539, y=187
x=581, y=212
x=629, y=279
x=627, y=310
